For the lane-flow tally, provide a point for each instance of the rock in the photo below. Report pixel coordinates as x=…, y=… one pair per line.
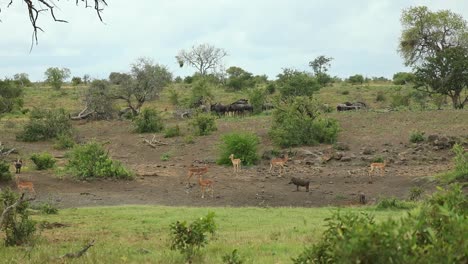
x=432, y=138
x=368, y=151
x=300, y=153
x=338, y=155
x=346, y=159
x=341, y=146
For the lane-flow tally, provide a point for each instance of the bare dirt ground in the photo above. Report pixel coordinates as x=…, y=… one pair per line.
x=336, y=182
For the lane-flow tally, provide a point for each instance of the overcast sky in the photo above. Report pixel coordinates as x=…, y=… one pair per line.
x=261, y=36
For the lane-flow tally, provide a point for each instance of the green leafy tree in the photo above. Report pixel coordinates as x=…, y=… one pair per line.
x=10, y=96
x=402, y=78
x=55, y=77
x=22, y=79
x=296, y=83
x=238, y=78
x=446, y=73
x=76, y=81
x=320, y=66
x=356, y=79
x=436, y=41
x=119, y=78
x=146, y=82
x=99, y=100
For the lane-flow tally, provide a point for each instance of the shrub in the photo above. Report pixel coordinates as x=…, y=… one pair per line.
x=378, y=159
x=148, y=121
x=417, y=136
x=10, y=96
x=19, y=229
x=293, y=83
x=233, y=258
x=188, y=239
x=172, y=132
x=460, y=172
x=189, y=139
x=242, y=145
x=45, y=124
x=393, y=203
x=173, y=97
x=400, y=100
x=5, y=174
x=165, y=156
x=204, y=124
x=257, y=97
x=345, y=92
x=380, y=97
x=298, y=122
x=432, y=234
x=92, y=161
x=48, y=208
x=64, y=141
x=271, y=88
x=43, y=161
x=415, y=193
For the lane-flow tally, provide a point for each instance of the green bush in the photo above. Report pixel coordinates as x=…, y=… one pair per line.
x=378, y=159
x=5, y=174
x=433, y=234
x=172, y=132
x=417, y=136
x=43, y=161
x=204, y=124
x=148, y=121
x=10, y=96
x=415, y=193
x=400, y=100
x=165, y=156
x=394, y=204
x=188, y=239
x=298, y=122
x=64, y=141
x=18, y=228
x=233, y=258
x=257, y=98
x=460, y=172
x=242, y=145
x=189, y=139
x=91, y=161
x=174, y=97
x=380, y=97
x=45, y=124
x=48, y=208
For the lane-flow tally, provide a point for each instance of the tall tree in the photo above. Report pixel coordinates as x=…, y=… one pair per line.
x=238, y=78
x=205, y=58
x=296, y=83
x=432, y=41
x=320, y=67
x=56, y=76
x=147, y=80
x=36, y=7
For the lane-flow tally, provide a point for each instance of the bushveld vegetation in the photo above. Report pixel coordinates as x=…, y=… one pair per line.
x=244, y=146
x=43, y=161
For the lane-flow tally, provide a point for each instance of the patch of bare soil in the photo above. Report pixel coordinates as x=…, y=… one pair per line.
x=337, y=181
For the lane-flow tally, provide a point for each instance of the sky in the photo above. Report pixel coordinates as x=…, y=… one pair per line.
x=260, y=36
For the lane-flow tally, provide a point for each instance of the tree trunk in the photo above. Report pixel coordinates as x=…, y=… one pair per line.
x=456, y=101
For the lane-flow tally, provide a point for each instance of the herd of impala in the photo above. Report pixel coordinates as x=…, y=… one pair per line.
x=203, y=183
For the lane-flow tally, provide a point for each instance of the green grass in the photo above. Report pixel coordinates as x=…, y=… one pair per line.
x=261, y=235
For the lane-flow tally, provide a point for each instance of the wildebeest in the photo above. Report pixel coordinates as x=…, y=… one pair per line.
x=300, y=182
x=239, y=107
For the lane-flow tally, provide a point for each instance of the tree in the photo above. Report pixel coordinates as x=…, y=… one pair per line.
x=435, y=44
x=55, y=76
x=355, y=79
x=10, y=96
x=238, y=78
x=446, y=74
x=119, y=78
x=204, y=58
x=86, y=79
x=296, y=83
x=36, y=7
x=98, y=100
x=76, y=81
x=320, y=67
x=22, y=79
x=147, y=80
x=402, y=78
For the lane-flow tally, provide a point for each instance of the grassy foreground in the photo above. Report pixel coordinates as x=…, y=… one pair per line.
x=140, y=234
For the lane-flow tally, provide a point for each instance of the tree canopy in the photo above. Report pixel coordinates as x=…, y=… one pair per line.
x=436, y=45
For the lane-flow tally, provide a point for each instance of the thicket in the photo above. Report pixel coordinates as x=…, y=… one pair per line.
x=434, y=233
x=43, y=161
x=204, y=124
x=243, y=145
x=460, y=172
x=91, y=161
x=5, y=174
x=10, y=96
x=19, y=229
x=190, y=238
x=297, y=121
x=148, y=121
x=45, y=124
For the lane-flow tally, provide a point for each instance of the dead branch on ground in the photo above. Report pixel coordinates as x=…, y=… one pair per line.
x=80, y=252
x=154, y=142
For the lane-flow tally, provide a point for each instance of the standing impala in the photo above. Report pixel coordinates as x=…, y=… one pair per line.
x=236, y=163
x=25, y=185
x=377, y=166
x=205, y=184
x=196, y=170
x=280, y=162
